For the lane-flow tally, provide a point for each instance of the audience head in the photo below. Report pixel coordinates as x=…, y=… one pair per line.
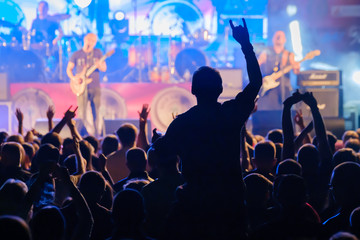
x=14, y=228
x=345, y=183
x=71, y=164
x=127, y=134
x=278, y=150
x=343, y=236
x=264, y=155
x=53, y=138
x=128, y=209
x=48, y=224
x=15, y=138
x=353, y=144
x=308, y=157
x=11, y=154
x=86, y=151
x=290, y=190
x=68, y=147
x=136, y=160
x=355, y=221
x=92, y=186
x=289, y=166
x=12, y=194
x=206, y=83
x=48, y=156
x=163, y=158
x=94, y=142
x=258, y=190
x=3, y=136
x=259, y=138
x=332, y=139
x=344, y=155
x=109, y=144
x=348, y=135
x=275, y=135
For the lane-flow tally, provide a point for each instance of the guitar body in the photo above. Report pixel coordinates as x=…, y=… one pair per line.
x=78, y=88
x=268, y=83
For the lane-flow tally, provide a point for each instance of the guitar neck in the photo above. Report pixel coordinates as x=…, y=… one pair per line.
x=284, y=71
x=94, y=67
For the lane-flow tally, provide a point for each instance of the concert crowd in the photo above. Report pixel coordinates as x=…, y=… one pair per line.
x=206, y=177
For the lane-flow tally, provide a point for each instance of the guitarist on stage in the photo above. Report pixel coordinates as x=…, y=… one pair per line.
x=84, y=59
x=273, y=59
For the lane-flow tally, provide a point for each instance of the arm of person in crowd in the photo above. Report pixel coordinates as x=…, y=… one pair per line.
x=85, y=219
x=287, y=127
x=35, y=190
x=103, y=169
x=74, y=132
x=50, y=115
x=304, y=136
x=20, y=117
x=299, y=120
x=142, y=140
x=67, y=117
x=245, y=157
x=80, y=161
x=320, y=131
x=241, y=35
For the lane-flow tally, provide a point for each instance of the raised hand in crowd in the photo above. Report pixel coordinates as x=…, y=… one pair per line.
x=103, y=169
x=142, y=140
x=50, y=115
x=304, y=136
x=288, y=131
x=20, y=118
x=68, y=115
x=241, y=33
x=85, y=219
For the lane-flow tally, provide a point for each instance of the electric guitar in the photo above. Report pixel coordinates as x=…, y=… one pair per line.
x=79, y=88
x=270, y=81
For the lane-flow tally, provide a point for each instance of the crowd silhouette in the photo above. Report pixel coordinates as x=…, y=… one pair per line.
x=207, y=177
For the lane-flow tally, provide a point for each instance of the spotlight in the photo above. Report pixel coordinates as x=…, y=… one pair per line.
x=356, y=77
x=291, y=10
x=119, y=15
x=82, y=3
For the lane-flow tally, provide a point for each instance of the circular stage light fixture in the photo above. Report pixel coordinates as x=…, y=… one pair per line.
x=119, y=15
x=356, y=77
x=82, y=3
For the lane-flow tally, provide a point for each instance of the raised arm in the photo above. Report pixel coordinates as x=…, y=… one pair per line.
x=67, y=117
x=20, y=117
x=50, y=115
x=288, y=131
x=85, y=219
x=299, y=120
x=241, y=35
x=142, y=140
x=320, y=131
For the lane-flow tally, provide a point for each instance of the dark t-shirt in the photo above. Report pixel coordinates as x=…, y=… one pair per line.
x=207, y=139
x=45, y=30
x=82, y=59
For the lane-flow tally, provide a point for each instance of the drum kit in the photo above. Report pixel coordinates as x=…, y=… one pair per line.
x=169, y=54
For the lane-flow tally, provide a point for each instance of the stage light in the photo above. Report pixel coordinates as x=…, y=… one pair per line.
x=291, y=10
x=356, y=77
x=119, y=15
x=296, y=39
x=82, y=3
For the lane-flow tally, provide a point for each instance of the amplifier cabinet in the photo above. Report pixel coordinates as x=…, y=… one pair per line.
x=329, y=102
x=318, y=78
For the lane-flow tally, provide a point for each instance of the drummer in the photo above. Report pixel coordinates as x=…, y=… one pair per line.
x=44, y=29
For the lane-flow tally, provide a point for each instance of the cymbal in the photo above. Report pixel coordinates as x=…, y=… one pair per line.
x=59, y=17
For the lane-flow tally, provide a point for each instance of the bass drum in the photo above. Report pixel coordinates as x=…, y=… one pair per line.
x=188, y=61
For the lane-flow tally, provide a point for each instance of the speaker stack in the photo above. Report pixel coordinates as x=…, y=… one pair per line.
x=326, y=87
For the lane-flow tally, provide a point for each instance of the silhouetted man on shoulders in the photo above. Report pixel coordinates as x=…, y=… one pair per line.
x=207, y=139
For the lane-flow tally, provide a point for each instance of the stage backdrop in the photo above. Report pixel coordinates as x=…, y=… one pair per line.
x=119, y=101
